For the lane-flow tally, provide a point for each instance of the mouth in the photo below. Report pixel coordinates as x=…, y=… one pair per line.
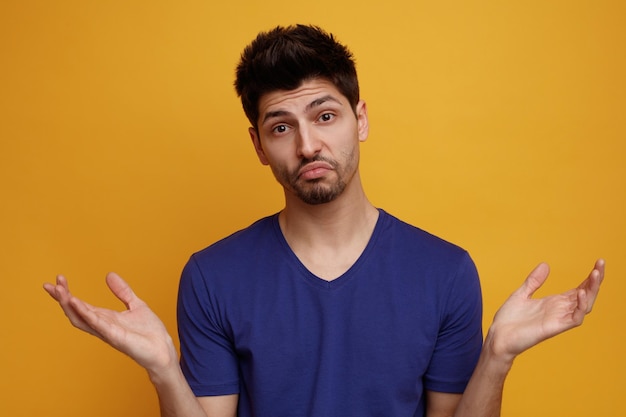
x=314, y=170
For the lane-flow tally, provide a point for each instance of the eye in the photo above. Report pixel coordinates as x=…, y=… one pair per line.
x=279, y=129
x=326, y=117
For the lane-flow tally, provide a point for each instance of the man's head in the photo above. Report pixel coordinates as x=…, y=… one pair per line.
x=285, y=57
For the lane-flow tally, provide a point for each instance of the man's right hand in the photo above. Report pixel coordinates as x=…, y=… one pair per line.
x=136, y=331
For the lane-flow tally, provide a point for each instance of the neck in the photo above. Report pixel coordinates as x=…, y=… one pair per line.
x=328, y=238
x=350, y=211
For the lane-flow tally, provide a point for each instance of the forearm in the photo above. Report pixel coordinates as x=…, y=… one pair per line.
x=483, y=395
x=175, y=396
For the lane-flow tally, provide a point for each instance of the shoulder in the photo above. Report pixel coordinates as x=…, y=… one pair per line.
x=409, y=238
x=236, y=251
x=245, y=240
x=413, y=252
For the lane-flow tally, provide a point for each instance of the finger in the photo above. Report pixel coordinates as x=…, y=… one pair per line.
x=85, y=317
x=534, y=280
x=122, y=290
x=52, y=288
x=62, y=281
x=581, y=308
x=72, y=308
x=600, y=265
x=102, y=323
x=60, y=293
x=591, y=285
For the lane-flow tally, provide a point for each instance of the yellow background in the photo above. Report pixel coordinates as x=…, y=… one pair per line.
x=497, y=125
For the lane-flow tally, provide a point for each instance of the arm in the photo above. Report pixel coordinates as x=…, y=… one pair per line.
x=519, y=324
x=140, y=334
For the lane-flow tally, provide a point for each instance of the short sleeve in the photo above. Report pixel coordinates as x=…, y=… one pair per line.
x=459, y=341
x=208, y=359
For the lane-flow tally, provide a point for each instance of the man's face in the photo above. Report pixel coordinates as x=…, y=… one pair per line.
x=310, y=139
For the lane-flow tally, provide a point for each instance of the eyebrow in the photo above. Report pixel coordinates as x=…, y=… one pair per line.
x=315, y=103
x=320, y=101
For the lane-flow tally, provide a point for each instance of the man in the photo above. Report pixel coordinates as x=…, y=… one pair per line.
x=331, y=307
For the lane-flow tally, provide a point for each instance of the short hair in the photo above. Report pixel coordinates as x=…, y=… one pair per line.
x=285, y=57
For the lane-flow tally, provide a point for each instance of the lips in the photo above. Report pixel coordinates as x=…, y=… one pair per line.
x=314, y=170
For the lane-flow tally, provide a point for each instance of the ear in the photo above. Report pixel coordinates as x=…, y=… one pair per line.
x=256, y=142
x=362, y=121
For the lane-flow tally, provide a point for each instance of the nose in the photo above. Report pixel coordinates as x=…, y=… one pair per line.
x=309, y=143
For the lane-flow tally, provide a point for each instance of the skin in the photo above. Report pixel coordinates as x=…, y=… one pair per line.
x=310, y=139
x=290, y=141
x=299, y=132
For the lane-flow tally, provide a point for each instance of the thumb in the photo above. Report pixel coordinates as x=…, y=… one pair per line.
x=121, y=290
x=534, y=280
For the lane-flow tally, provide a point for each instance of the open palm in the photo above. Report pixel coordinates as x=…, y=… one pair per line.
x=136, y=331
x=523, y=321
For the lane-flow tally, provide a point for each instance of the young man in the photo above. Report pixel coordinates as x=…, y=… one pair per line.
x=331, y=307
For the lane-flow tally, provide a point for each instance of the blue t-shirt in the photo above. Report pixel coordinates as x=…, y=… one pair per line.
x=405, y=318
